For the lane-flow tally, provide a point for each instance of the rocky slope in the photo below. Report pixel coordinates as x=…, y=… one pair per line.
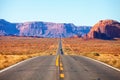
x=7, y=28
x=42, y=29
x=105, y=29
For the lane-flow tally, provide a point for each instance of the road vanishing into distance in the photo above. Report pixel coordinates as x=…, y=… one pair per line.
x=73, y=68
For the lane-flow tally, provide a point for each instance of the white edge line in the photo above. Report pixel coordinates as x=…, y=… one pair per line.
x=103, y=63
x=5, y=69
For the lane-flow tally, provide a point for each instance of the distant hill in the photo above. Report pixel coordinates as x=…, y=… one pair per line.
x=42, y=29
x=105, y=29
x=7, y=28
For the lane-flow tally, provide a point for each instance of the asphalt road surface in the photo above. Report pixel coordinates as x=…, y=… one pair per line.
x=82, y=68
x=39, y=68
x=59, y=50
x=75, y=68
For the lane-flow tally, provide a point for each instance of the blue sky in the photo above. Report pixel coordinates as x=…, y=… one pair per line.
x=79, y=12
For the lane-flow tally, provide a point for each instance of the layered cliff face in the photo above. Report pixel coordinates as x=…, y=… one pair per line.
x=47, y=29
x=105, y=29
x=31, y=28
x=43, y=29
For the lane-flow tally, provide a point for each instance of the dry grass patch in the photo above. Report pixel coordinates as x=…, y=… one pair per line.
x=7, y=60
x=107, y=51
x=15, y=49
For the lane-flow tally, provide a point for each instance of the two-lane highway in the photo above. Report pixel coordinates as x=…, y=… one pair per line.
x=74, y=68
x=59, y=50
x=83, y=68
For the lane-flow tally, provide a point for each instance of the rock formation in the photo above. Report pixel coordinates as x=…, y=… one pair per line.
x=42, y=29
x=105, y=29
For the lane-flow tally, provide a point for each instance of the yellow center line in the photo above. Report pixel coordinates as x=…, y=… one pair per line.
x=62, y=75
x=61, y=64
x=57, y=60
x=61, y=68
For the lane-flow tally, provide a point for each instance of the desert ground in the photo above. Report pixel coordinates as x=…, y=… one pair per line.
x=16, y=49
x=107, y=51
